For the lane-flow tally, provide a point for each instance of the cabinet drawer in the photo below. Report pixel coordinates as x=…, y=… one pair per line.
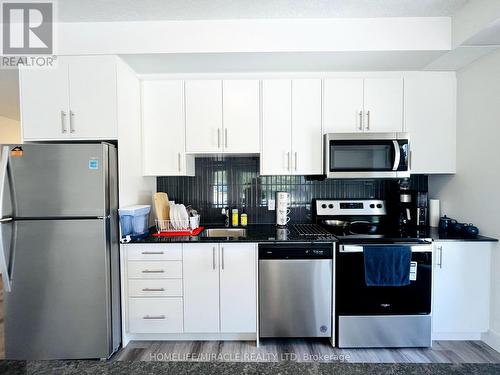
x=155, y=270
x=154, y=252
x=155, y=315
x=155, y=288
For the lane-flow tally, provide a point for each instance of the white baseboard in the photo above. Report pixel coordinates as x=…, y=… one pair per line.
x=456, y=336
x=492, y=339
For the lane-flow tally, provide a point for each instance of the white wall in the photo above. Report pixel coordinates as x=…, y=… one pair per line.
x=473, y=194
x=10, y=130
x=134, y=189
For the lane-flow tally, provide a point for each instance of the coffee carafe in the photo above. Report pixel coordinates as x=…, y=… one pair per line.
x=282, y=208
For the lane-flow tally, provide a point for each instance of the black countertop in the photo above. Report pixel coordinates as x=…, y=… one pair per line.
x=270, y=233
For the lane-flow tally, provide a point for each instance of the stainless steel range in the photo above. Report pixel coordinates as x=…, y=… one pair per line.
x=381, y=315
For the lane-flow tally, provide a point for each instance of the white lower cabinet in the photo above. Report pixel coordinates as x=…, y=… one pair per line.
x=196, y=289
x=155, y=315
x=461, y=297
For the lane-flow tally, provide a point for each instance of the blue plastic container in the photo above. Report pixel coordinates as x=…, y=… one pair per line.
x=134, y=220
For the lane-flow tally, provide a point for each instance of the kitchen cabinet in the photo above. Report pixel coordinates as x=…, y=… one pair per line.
x=291, y=127
x=363, y=105
x=201, y=287
x=77, y=100
x=430, y=116
x=222, y=116
x=204, y=116
x=163, y=130
x=461, y=297
x=241, y=116
x=220, y=273
x=238, y=294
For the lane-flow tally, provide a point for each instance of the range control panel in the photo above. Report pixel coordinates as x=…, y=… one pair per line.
x=328, y=207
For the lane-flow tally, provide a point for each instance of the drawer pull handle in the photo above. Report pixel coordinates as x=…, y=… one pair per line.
x=153, y=253
x=153, y=271
x=153, y=290
x=159, y=317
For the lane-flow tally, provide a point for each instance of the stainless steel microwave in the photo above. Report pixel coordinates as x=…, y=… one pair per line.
x=367, y=155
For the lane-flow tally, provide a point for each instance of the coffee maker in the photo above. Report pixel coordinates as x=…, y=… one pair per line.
x=412, y=207
x=421, y=200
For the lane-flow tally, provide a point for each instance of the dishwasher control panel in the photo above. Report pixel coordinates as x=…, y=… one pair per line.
x=295, y=251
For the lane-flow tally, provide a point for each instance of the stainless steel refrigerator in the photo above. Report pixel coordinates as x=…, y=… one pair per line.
x=59, y=255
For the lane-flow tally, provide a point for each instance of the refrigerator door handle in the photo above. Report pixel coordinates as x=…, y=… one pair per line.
x=4, y=267
x=3, y=175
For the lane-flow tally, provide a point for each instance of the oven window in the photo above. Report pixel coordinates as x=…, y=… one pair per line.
x=349, y=156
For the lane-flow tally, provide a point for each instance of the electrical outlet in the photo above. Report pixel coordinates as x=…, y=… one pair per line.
x=271, y=205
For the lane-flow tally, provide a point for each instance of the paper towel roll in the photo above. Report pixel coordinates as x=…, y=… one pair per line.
x=434, y=213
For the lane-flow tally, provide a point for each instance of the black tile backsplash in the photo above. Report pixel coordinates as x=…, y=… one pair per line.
x=235, y=182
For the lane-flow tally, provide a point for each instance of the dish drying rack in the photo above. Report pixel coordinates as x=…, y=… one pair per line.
x=171, y=226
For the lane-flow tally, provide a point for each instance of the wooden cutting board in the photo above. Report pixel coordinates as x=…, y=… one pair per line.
x=162, y=206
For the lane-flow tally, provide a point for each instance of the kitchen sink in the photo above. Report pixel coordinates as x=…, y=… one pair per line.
x=226, y=232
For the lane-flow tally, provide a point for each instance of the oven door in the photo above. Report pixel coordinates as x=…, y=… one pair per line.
x=355, y=298
x=382, y=155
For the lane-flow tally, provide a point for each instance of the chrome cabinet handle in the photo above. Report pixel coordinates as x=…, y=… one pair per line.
x=360, y=120
x=288, y=161
x=440, y=249
x=218, y=138
x=179, y=161
x=368, y=118
x=153, y=290
x=225, y=137
x=222, y=261
x=63, y=122
x=153, y=271
x=295, y=160
x=71, y=126
x=152, y=253
x=158, y=317
x=6, y=220
x=213, y=258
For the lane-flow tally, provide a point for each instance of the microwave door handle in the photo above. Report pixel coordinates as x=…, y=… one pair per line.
x=397, y=155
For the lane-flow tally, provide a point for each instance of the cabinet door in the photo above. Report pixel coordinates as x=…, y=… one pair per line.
x=92, y=97
x=204, y=116
x=163, y=130
x=430, y=116
x=275, y=157
x=461, y=287
x=238, y=288
x=241, y=113
x=343, y=105
x=201, y=288
x=44, y=99
x=307, y=150
x=383, y=104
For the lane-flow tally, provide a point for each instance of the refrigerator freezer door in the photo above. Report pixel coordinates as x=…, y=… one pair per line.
x=57, y=180
x=60, y=303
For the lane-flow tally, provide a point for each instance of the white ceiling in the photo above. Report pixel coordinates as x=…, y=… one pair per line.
x=144, y=10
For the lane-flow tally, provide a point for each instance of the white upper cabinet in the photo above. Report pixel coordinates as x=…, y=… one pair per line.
x=383, y=104
x=44, y=97
x=275, y=157
x=363, y=105
x=241, y=116
x=307, y=151
x=343, y=105
x=163, y=131
x=461, y=288
x=204, y=131
x=238, y=288
x=430, y=115
x=92, y=97
x=76, y=100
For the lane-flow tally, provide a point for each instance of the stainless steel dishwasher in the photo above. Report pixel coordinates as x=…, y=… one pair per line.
x=295, y=290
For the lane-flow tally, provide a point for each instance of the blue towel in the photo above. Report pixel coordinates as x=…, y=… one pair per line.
x=387, y=266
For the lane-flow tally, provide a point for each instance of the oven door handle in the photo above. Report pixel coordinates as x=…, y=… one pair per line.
x=415, y=248
x=397, y=155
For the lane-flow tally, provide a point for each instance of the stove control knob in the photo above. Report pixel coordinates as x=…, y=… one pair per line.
x=323, y=205
x=379, y=205
x=330, y=205
x=372, y=205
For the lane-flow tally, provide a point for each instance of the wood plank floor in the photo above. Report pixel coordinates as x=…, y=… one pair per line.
x=304, y=351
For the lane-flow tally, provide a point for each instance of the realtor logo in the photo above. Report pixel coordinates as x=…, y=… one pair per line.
x=27, y=28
